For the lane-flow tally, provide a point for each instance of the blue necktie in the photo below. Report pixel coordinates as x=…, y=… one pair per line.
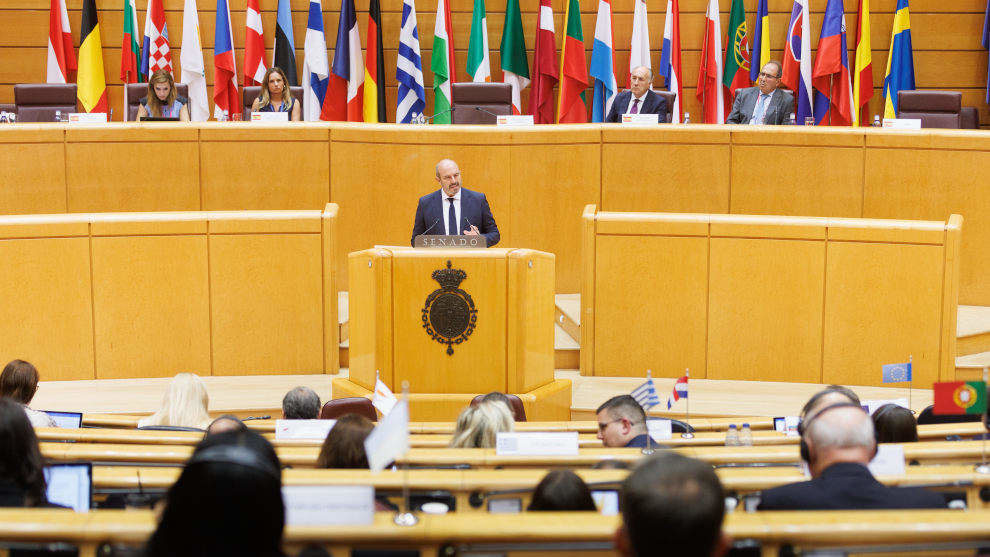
x=451, y=218
x=761, y=108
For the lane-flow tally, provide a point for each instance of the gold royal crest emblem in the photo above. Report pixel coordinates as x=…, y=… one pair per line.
x=449, y=315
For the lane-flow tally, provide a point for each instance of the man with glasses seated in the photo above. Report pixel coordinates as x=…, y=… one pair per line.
x=622, y=423
x=764, y=104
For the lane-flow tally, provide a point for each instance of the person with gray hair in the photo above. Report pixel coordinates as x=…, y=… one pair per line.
x=639, y=99
x=301, y=403
x=838, y=444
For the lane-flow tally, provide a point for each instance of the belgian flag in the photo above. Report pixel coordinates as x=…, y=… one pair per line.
x=92, y=83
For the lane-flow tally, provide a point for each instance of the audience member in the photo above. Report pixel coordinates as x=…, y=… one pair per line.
x=276, y=96
x=894, y=424
x=672, y=505
x=227, y=422
x=226, y=502
x=184, y=404
x=301, y=403
x=478, y=425
x=19, y=382
x=561, y=490
x=344, y=445
x=833, y=394
x=622, y=423
x=22, y=478
x=838, y=443
x=163, y=100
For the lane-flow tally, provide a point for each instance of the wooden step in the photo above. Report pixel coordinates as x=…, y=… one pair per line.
x=972, y=330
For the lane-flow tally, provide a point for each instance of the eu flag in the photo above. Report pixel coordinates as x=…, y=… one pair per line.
x=897, y=373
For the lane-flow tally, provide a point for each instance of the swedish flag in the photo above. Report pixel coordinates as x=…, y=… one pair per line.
x=900, y=60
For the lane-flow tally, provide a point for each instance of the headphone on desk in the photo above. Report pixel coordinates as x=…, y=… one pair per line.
x=803, y=426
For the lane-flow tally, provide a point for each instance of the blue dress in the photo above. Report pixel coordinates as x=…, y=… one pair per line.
x=286, y=107
x=171, y=111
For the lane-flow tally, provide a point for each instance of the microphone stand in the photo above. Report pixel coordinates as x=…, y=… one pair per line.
x=424, y=119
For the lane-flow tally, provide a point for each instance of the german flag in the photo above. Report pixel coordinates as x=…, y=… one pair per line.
x=374, y=68
x=90, y=78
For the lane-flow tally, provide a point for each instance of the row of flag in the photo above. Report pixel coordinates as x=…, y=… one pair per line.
x=646, y=394
x=352, y=89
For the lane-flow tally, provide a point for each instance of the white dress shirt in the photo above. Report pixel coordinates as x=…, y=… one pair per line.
x=756, y=108
x=445, y=207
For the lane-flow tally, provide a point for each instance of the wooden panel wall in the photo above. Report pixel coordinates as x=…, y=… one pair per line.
x=946, y=38
x=810, y=300
x=154, y=294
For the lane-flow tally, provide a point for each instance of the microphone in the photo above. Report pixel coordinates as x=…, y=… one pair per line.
x=430, y=228
x=489, y=112
x=424, y=119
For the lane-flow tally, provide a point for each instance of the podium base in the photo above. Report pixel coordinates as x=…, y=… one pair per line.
x=551, y=402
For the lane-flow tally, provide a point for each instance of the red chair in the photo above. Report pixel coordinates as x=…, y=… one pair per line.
x=515, y=404
x=38, y=102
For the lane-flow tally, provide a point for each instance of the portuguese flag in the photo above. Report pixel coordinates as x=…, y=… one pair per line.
x=960, y=397
x=736, y=74
x=92, y=91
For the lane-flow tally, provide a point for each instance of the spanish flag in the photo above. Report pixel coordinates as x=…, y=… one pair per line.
x=90, y=77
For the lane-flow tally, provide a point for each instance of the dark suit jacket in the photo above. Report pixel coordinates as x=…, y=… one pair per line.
x=652, y=104
x=430, y=215
x=778, y=113
x=847, y=486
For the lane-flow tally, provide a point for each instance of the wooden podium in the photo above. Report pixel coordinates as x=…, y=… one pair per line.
x=454, y=323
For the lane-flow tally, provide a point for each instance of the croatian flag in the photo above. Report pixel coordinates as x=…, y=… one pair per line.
x=646, y=395
x=830, y=75
x=226, y=101
x=345, y=94
x=680, y=390
x=670, y=58
x=602, y=68
x=409, y=68
x=316, y=70
x=155, y=53
x=797, y=60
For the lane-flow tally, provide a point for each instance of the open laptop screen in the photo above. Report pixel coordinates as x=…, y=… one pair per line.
x=70, y=485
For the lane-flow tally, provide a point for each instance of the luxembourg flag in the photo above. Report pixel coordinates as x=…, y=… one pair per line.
x=316, y=70
x=670, y=58
x=680, y=390
x=226, y=101
x=797, y=60
x=155, y=53
x=345, y=95
x=602, y=68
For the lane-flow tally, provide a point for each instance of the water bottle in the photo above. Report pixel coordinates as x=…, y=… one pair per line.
x=732, y=436
x=746, y=436
x=793, y=120
x=687, y=117
x=58, y=115
x=876, y=121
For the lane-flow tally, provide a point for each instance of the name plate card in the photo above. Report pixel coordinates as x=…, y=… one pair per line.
x=269, y=116
x=872, y=405
x=659, y=430
x=303, y=429
x=641, y=119
x=537, y=443
x=514, y=120
x=902, y=123
x=444, y=241
x=889, y=461
x=328, y=505
x=87, y=117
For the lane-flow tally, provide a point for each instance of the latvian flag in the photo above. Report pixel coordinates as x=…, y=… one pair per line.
x=680, y=391
x=646, y=395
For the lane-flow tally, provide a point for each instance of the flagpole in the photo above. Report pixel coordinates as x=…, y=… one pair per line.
x=406, y=517
x=910, y=381
x=687, y=407
x=648, y=449
x=983, y=467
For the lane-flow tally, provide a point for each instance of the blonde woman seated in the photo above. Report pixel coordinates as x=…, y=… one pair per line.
x=477, y=425
x=275, y=95
x=184, y=404
x=163, y=100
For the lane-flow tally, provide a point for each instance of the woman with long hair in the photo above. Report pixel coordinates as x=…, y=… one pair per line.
x=478, y=425
x=344, y=445
x=19, y=382
x=276, y=96
x=163, y=100
x=22, y=474
x=184, y=405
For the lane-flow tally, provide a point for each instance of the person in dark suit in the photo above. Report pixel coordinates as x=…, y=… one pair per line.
x=622, y=423
x=838, y=443
x=454, y=210
x=639, y=99
x=764, y=104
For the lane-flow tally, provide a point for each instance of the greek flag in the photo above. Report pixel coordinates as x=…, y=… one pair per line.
x=646, y=395
x=409, y=68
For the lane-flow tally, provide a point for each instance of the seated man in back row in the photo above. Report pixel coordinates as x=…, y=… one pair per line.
x=622, y=423
x=765, y=103
x=838, y=444
x=639, y=99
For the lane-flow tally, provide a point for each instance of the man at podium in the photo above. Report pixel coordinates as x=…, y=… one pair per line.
x=453, y=210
